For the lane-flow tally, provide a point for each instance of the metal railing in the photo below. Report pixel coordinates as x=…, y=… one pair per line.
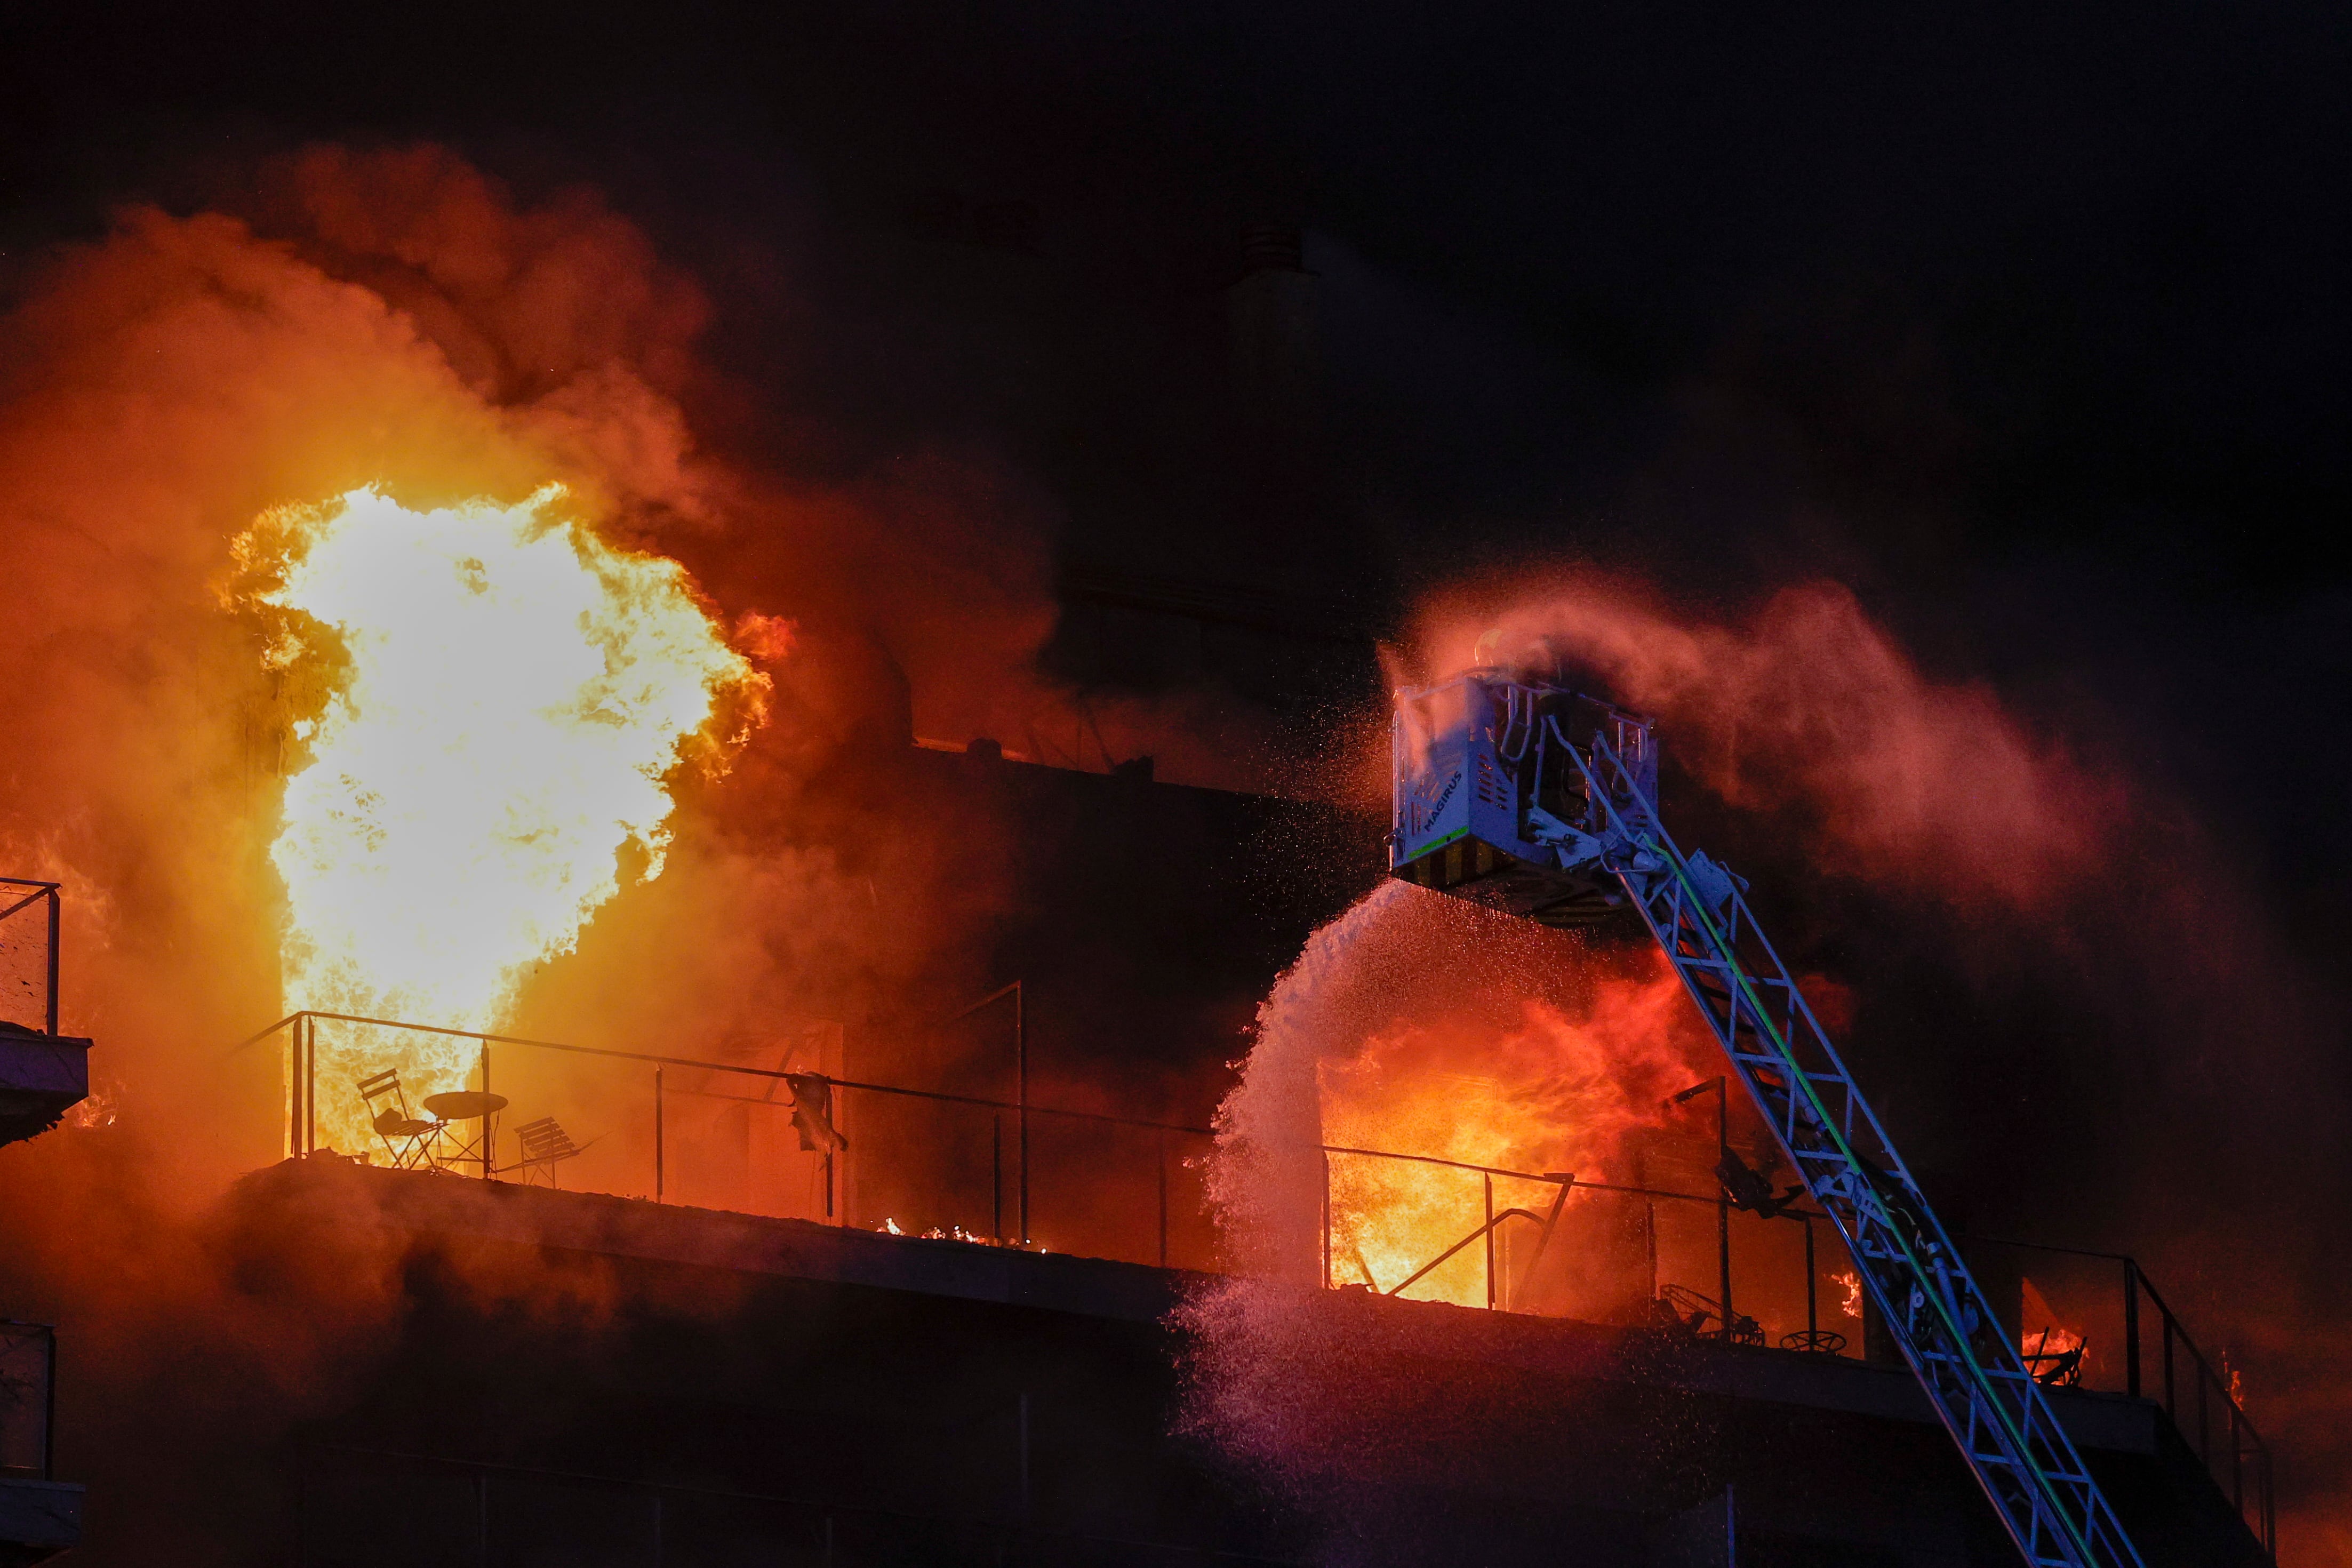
x=1008, y=1189
x=2107, y=1299
x=1501, y=1290
x=1011, y=1165
x=28, y=1399
x=28, y=950
x=2121, y=1349
x=1752, y=1258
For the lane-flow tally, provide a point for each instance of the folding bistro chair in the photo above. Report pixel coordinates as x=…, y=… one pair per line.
x=545, y=1145
x=407, y=1137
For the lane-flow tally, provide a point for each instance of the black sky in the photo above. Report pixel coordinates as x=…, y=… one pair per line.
x=1909, y=294
x=1996, y=280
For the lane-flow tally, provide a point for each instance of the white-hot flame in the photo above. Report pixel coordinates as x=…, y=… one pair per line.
x=506, y=695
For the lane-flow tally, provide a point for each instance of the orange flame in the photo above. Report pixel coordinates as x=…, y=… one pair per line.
x=503, y=697
x=2052, y=1351
x=1558, y=1091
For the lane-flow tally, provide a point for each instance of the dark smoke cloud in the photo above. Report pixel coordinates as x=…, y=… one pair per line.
x=397, y=318
x=2110, y=946
x=1915, y=783
x=2101, y=948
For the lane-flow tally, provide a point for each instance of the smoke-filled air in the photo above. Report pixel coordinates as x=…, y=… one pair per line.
x=403, y=625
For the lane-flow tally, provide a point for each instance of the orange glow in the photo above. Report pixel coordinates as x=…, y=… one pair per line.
x=504, y=697
x=1851, y=1283
x=1558, y=1091
x=2052, y=1351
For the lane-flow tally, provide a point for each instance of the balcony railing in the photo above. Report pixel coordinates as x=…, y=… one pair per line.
x=1012, y=1173
x=2134, y=1343
x=30, y=917
x=1021, y=1146
x=1670, y=1245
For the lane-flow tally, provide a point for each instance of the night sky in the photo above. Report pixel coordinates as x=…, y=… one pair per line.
x=2029, y=327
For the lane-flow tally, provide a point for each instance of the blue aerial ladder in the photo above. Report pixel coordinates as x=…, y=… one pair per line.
x=1514, y=790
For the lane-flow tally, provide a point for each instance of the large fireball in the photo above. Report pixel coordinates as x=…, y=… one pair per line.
x=506, y=696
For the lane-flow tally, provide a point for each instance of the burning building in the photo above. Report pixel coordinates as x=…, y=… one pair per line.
x=967, y=1294
x=780, y=1058
x=44, y=1076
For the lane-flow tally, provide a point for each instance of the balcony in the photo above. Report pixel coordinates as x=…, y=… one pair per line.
x=1669, y=1254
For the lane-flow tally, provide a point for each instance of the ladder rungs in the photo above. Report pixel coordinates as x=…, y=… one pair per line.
x=1999, y=1415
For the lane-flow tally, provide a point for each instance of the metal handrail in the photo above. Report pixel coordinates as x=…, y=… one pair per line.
x=1566, y=1183
x=2245, y=1440
x=2241, y=1428
x=1551, y=1179
x=2243, y=1432
x=51, y=893
x=1416, y=1277
x=491, y=1039
x=303, y=1137
x=659, y=1060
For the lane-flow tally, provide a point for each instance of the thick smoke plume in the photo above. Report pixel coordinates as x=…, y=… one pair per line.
x=1809, y=704
x=2050, y=888
x=398, y=319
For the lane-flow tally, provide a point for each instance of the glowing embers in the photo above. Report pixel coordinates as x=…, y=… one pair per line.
x=495, y=699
